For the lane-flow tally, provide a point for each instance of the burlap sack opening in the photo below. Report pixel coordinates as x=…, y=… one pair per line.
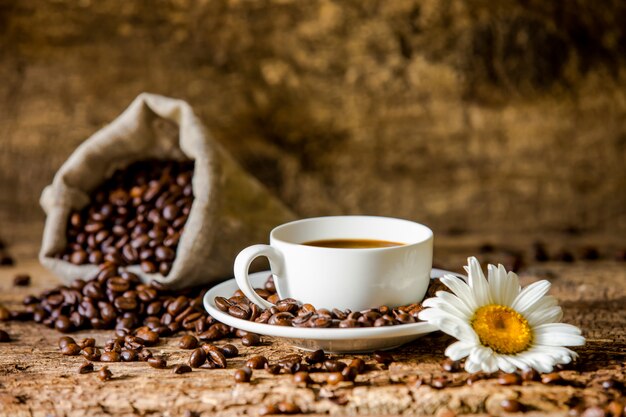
x=230, y=211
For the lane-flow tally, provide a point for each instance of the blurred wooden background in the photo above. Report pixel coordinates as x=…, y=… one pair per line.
x=503, y=118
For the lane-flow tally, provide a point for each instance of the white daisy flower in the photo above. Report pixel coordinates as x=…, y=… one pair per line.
x=498, y=324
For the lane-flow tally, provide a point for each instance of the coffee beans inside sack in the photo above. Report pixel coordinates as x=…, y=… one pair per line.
x=134, y=218
x=155, y=195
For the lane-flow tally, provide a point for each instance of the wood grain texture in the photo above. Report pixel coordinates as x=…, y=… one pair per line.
x=461, y=114
x=35, y=380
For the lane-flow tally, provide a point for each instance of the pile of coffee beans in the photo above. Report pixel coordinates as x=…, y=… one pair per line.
x=136, y=217
x=290, y=312
x=116, y=299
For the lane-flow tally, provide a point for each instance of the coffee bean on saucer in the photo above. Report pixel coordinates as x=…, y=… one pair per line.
x=509, y=379
x=157, y=362
x=182, y=369
x=197, y=358
x=188, y=342
x=4, y=337
x=21, y=280
x=243, y=374
x=511, y=406
x=85, y=368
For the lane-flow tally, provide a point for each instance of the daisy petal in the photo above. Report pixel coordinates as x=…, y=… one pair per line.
x=544, y=316
x=496, y=284
x=478, y=283
x=458, y=350
x=558, y=334
x=530, y=295
x=472, y=367
x=490, y=364
x=504, y=364
x=451, y=302
x=511, y=288
x=461, y=290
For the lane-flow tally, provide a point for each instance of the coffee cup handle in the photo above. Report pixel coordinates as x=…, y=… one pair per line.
x=242, y=265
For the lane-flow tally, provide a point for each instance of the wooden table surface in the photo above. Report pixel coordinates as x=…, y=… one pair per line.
x=36, y=380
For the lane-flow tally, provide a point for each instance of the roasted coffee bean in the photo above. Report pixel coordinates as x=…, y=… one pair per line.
x=358, y=364
x=302, y=378
x=4, y=337
x=286, y=407
x=144, y=355
x=85, y=368
x=281, y=319
x=128, y=355
x=439, y=383
x=509, y=379
x=216, y=355
x=594, y=411
x=273, y=369
x=449, y=365
x=268, y=409
x=511, y=406
x=551, y=378
x=21, y=280
x=222, y=303
x=616, y=409
x=4, y=314
x=243, y=374
x=157, y=362
x=334, y=378
x=71, y=349
x=251, y=339
x=150, y=338
x=87, y=342
x=317, y=356
x=334, y=366
x=473, y=378
x=229, y=351
x=239, y=311
x=63, y=324
x=256, y=362
x=530, y=375
x=383, y=357
x=105, y=374
x=349, y=373
x=91, y=353
x=182, y=369
x=197, y=358
x=64, y=341
x=188, y=342
x=110, y=356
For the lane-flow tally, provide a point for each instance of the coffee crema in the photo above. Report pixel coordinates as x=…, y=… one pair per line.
x=352, y=243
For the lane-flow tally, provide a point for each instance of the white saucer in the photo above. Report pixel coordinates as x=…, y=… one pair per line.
x=337, y=340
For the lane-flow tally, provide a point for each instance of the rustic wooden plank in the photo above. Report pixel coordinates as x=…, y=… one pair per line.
x=36, y=380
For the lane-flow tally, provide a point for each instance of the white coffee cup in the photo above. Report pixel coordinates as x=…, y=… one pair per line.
x=344, y=278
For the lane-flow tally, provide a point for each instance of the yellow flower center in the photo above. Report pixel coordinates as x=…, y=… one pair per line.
x=502, y=329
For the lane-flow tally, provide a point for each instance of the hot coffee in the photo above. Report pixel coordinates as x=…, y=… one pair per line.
x=352, y=243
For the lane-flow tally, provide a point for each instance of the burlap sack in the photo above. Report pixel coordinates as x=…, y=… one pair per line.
x=231, y=209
